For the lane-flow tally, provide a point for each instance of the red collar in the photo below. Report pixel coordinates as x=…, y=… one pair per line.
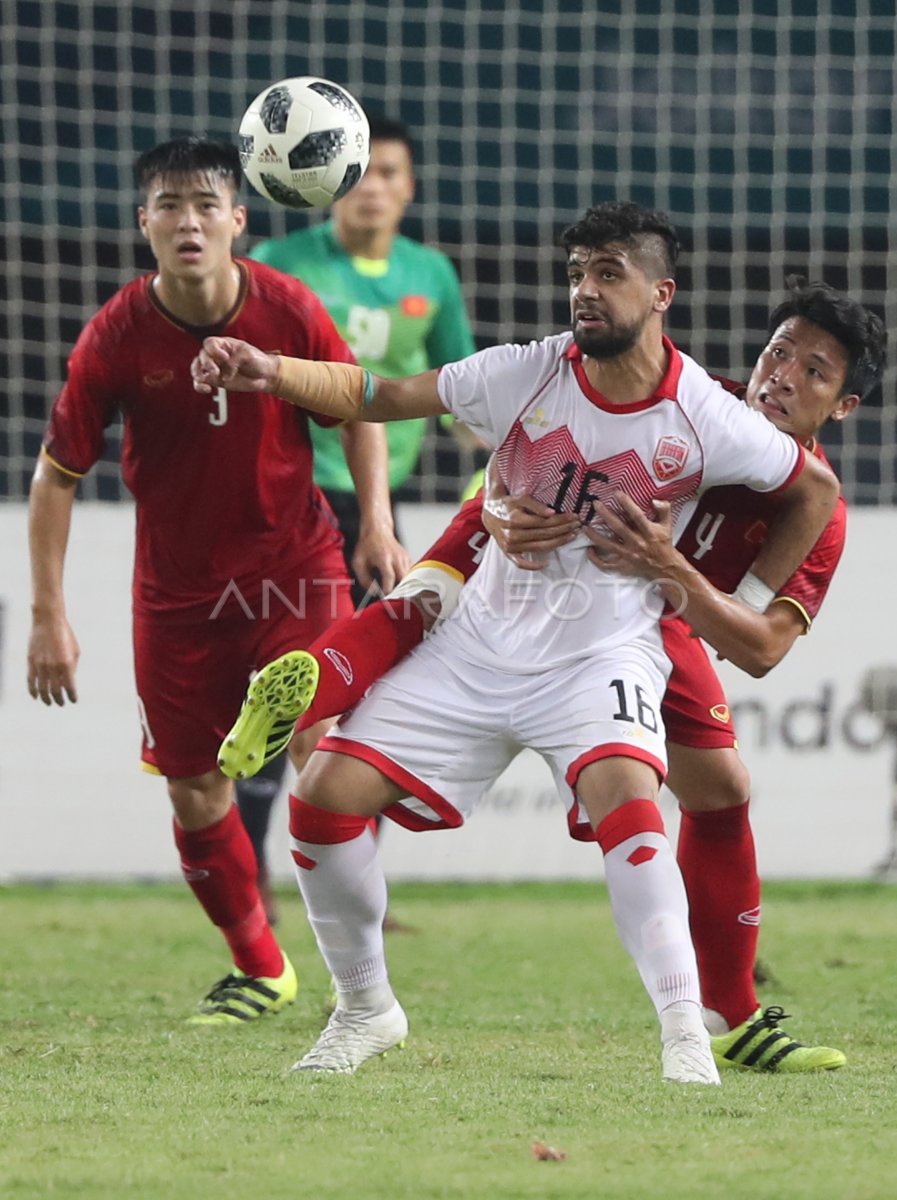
x=667, y=389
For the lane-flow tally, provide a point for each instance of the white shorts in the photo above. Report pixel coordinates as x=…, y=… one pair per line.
x=444, y=729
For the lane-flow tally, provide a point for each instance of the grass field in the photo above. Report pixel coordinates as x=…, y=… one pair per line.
x=527, y=1023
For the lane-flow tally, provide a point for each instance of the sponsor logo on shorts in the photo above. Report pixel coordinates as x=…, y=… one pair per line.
x=751, y=917
x=158, y=379
x=670, y=457
x=341, y=663
x=720, y=712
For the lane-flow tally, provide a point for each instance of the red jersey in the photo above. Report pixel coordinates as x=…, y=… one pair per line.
x=730, y=525
x=223, y=482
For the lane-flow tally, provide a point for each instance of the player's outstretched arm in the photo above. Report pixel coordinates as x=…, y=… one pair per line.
x=753, y=640
x=340, y=390
x=53, y=650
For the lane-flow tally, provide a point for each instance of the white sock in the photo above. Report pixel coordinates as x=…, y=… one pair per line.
x=345, y=897
x=650, y=911
x=715, y=1023
x=681, y=1017
x=368, y=1000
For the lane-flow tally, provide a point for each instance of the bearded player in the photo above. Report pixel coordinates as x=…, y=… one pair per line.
x=825, y=352
x=563, y=670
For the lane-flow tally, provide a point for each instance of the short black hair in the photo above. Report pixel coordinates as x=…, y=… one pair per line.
x=629, y=223
x=189, y=156
x=860, y=332
x=388, y=129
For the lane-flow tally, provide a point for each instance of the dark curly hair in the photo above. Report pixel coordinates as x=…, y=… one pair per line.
x=189, y=156
x=646, y=230
x=860, y=332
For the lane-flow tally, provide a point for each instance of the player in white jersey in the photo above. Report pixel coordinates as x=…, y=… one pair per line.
x=574, y=670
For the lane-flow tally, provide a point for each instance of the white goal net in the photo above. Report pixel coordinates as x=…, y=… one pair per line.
x=766, y=130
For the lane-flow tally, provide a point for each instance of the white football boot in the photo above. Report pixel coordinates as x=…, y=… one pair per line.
x=351, y=1038
x=686, y=1055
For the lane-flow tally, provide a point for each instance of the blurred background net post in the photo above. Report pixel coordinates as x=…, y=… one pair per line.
x=768, y=133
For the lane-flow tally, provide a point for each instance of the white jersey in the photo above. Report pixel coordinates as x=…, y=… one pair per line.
x=558, y=440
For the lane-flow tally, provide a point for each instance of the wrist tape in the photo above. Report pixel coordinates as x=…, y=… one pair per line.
x=754, y=593
x=338, y=390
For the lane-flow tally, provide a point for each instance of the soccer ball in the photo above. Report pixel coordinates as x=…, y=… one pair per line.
x=304, y=142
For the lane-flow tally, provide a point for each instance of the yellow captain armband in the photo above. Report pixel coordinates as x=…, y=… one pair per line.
x=339, y=390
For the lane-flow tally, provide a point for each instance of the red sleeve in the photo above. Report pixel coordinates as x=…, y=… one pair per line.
x=87, y=404
x=808, y=585
x=731, y=385
x=461, y=546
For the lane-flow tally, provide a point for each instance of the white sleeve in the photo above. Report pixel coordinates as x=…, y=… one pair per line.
x=742, y=446
x=488, y=390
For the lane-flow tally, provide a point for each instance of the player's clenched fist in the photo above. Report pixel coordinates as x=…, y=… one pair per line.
x=232, y=364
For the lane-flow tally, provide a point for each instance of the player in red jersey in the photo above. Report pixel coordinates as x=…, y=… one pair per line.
x=237, y=554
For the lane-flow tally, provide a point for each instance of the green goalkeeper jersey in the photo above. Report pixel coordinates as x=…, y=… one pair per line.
x=400, y=316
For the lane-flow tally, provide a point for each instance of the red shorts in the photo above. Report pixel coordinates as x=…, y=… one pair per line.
x=191, y=677
x=695, y=710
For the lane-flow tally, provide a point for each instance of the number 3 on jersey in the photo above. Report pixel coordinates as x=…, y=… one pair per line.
x=219, y=416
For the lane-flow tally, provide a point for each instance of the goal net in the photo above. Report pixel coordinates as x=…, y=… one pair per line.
x=766, y=130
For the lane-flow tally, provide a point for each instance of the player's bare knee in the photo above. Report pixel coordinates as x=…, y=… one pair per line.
x=303, y=743
x=200, y=800
x=609, y=783
x=723, y=781
x=343, y=784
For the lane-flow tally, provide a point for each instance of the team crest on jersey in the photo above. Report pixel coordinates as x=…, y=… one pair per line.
x=720, y=712
x=755, y=535
x=670, y=457
x=158, y=379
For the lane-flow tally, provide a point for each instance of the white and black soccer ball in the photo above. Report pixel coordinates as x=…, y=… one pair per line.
x=304, y=142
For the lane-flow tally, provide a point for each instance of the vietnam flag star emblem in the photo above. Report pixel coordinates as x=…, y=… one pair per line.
x=415, y=306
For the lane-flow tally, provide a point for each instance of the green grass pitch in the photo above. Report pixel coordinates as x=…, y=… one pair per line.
x=528, y=1023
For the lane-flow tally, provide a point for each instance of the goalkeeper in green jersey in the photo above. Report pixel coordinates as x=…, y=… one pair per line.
x=398, y=305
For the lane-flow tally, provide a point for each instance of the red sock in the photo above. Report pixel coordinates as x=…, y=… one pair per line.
x=718, y=863
x=355, y=651
x=219, y=864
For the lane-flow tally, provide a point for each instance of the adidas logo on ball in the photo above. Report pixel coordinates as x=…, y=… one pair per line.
x=304, y=142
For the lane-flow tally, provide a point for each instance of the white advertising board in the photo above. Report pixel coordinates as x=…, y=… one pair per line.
x=74, y=804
